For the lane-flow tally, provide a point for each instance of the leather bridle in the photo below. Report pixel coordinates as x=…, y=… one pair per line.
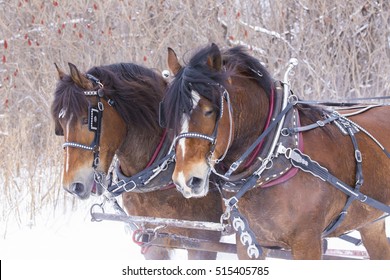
x=95, y=116
x=213, y=137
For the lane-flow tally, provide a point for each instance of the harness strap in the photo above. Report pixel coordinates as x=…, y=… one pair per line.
x=287, y=131
x=195, y=135
x=251, y=181
x=247, y=236
x=137, y=182
x=77, y=145
x=256, y=152
x=238, y=162
x=359, y=181
x=306, y=164
x=240, y=223
x=158, y=149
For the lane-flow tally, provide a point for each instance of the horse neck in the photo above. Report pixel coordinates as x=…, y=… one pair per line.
x=137, y=149
x=250, y=112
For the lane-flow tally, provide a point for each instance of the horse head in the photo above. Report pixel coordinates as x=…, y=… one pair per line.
x=197, y=109
x=90, y=140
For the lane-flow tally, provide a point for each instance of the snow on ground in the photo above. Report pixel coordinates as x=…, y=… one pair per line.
x=70, y=246
x=69, y=236
x=74, y=236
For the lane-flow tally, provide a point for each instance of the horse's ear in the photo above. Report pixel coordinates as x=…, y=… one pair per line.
x=61, y=74
x=78, y=78
x=173, y=63
x=214, y=59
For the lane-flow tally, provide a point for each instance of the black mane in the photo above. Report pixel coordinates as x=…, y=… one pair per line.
x=198, y=76
x=135, y=90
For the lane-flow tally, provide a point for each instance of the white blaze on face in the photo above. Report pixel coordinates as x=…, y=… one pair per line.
x=181, y=178
x=67, y=140
x=185, y=122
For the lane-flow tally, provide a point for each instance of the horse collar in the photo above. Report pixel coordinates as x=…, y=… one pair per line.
x=273, y=170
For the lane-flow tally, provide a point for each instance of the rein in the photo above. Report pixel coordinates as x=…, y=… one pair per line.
x=158, y=149
x=271, y=108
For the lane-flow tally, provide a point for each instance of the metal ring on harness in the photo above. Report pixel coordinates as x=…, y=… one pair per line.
x=96, y=205
x=293, y=99
x=285, y=132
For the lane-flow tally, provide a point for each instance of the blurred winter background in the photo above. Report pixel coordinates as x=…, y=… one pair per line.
x=343, y=48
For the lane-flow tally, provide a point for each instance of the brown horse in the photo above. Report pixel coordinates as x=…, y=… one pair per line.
x=129, y=95
x=220, y=103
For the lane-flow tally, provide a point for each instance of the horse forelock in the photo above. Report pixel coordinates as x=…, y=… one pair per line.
x=194, y=78
x=136, y=91
x=198, y=77
x=68, y=98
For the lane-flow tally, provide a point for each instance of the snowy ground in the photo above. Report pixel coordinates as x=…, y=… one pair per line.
x=68, y=236
x=102, y=249
x=74, y=236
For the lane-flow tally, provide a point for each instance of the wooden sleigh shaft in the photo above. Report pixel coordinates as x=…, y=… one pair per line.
x=173, y=241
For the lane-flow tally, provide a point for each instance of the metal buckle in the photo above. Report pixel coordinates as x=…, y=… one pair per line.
x=101, y=106
x=119, y=185
x=358, y=156
x=229, y=204
x=132, y=187
x=232, y=168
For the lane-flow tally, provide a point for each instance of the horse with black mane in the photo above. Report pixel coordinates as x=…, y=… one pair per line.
x=112, y=110
x=292, y=172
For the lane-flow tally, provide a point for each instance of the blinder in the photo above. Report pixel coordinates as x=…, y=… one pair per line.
x=93, y=118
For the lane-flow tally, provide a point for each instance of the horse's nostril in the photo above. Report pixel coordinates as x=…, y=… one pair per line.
x=194, y=182
x=77, y=188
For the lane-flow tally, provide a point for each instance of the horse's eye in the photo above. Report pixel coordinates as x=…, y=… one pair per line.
x=84, y=121
x=208, y=113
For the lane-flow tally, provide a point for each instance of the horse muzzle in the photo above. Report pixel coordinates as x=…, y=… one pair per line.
x=194, y=187
x=79, y=190
x=84, y=190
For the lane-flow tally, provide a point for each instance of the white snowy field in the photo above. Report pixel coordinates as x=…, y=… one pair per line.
x=73, y=236
x=72, y=240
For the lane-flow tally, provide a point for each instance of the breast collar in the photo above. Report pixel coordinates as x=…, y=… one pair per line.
x=156, y=176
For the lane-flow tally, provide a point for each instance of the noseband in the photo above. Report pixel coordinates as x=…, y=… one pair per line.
x=213, y=137
x=95, y=115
